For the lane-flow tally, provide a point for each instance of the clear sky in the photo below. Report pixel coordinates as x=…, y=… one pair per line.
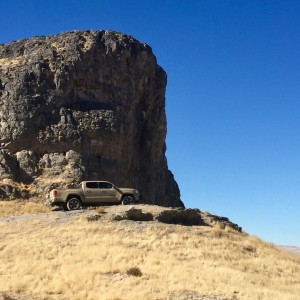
x=233, y=94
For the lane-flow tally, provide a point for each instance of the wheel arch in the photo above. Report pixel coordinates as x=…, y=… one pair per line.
x=70, y=196
x=127, y=194
x=126, y=201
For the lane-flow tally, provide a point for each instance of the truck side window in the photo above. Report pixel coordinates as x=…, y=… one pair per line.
x=105, y=185
x=92, y=185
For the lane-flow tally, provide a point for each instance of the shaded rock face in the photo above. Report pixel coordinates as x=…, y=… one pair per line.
x=84, y=105
x=187, y=217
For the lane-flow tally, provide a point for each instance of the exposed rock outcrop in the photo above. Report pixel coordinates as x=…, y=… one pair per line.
x=186, y=217
x=167, y=215
x=83, y=105
x=222, y=222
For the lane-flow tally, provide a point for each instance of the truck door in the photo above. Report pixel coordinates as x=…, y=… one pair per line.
x=108, y=192
x=92, y=192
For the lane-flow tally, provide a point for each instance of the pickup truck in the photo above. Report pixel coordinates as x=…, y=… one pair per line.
x=92, y=193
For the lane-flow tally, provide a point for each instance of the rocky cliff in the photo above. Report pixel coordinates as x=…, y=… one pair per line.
x=83, y=105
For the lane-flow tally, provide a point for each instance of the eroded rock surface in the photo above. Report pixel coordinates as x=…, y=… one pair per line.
x=83, y=105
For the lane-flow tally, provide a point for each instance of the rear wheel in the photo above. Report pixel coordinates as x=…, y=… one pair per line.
x=73, y=204
x=127, y=200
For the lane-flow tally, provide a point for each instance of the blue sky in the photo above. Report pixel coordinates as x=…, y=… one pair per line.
x=232, y=96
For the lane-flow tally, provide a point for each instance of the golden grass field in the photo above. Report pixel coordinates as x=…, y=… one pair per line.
x=10, y=208
x=58, y=255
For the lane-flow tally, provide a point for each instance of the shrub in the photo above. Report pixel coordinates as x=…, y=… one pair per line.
x=135, y=271
x=101, y=210
x=249, y=248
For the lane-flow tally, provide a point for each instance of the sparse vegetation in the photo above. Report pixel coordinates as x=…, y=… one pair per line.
x=135, y=271
x=101, y=210
x=78, y=259
x=7, y=297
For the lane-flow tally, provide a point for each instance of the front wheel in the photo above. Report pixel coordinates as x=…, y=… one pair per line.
x=73, y=204
x=128, y=200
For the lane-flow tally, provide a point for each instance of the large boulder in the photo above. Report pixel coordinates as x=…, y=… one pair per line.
x=84, y=105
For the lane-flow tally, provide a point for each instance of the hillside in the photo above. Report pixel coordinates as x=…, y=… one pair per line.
x=102, y=254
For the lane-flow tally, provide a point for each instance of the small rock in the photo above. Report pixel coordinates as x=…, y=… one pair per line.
x=93, y=218
x=138, y=215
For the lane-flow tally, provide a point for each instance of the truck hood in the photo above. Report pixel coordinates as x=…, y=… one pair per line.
x=128, y=190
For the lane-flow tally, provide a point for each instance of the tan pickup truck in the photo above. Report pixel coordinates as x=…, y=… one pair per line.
x=93, y=193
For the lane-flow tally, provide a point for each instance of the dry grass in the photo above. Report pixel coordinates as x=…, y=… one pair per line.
x=140, y=260
x=12, y=208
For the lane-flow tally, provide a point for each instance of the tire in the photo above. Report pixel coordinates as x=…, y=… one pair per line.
x=128, y=200
x=73, y=204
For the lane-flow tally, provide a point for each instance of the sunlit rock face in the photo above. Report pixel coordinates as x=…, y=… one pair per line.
x=83, y=105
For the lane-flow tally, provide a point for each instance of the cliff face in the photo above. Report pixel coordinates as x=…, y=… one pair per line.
x=83, y=105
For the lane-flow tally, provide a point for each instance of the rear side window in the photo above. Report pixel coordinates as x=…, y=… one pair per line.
x=92, y=185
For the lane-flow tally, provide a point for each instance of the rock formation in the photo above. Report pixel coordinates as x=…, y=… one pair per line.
x=83, y=105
